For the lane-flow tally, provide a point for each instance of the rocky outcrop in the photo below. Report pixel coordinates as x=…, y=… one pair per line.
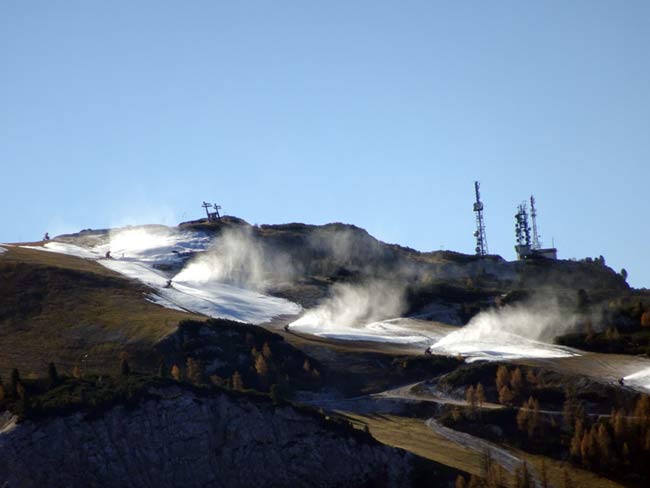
x=179, y=437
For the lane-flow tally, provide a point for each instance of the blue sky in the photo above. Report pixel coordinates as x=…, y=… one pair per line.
x=380, y=114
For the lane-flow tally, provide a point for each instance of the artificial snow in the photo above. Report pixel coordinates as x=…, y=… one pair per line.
x=396, y=331
x=136, y=251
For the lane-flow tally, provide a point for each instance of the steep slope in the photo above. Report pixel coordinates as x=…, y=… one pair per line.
x=73, y=312
x=179, y=437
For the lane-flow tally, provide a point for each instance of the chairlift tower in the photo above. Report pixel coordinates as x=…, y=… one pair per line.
x=212, y=216
x=216, y=210
x=481, y=238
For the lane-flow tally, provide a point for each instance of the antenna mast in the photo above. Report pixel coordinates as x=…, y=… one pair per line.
x=533, y=215
x=522, y=231
x=481, y=238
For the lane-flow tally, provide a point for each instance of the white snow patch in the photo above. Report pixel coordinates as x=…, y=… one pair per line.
x=63, y=248
x=497, y=346
x=508, y=333
x=395, y=331
x=3, y=250
x=135, y=251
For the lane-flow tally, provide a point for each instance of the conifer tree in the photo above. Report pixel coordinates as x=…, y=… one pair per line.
x=15, y=380
x=604, y=443
x=480, y=395
x=517, y=383
x=460, y=482
x=503, y=377
x=531, y=379
x=176, y=372
x=274, y=393
x=125, y=369
x=505, y=395
x=470, y=398
x=162, y=370
x=522, y=417
x=237, y=382
x=194, y=371
x=262, y=370
x=266, y=351
x=53, y=375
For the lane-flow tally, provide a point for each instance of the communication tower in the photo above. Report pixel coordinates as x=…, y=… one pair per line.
x=522, y=231
x=537, y=244
x=481, y=238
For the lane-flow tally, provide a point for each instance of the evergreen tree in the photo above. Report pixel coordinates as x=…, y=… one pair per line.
x=237, y=382
x=162, y=370
x=275, y=394
x=505, y=395
x=480, y=395
x=531, y=378
x=522, y=417
x=194, y=373
x=262, y=370
x=475, y=482
x=503, y=377
x=176, y=372
x=470, y=398
x=125, y=369
x=604, y=442
x=53, y=375
x=517, y=383
x=15, y=380
x=576, y=440
x=460, y=482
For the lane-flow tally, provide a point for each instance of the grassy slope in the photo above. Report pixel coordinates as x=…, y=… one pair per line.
x=58, y=308
x=413, y=435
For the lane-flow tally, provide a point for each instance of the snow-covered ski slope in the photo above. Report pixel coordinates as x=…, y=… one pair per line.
x=139, y=253
x=396, y=331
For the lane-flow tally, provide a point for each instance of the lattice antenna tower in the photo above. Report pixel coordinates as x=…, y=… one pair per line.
x=522, y=230
x=537, y=243
x=481, y=237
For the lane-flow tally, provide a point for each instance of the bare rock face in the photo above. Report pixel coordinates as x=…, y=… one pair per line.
x=180, y=438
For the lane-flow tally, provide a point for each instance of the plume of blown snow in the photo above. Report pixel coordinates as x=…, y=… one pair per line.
x=152, y=243
x=358, y=304
x=517, y=330
x=239, y=258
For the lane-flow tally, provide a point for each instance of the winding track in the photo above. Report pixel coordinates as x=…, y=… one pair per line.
x=501, y=456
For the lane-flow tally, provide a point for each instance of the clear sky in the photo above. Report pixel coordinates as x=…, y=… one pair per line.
x=380, y=114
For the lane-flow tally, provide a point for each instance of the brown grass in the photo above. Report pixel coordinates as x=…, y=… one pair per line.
x=413, y=435
x=61, y=308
